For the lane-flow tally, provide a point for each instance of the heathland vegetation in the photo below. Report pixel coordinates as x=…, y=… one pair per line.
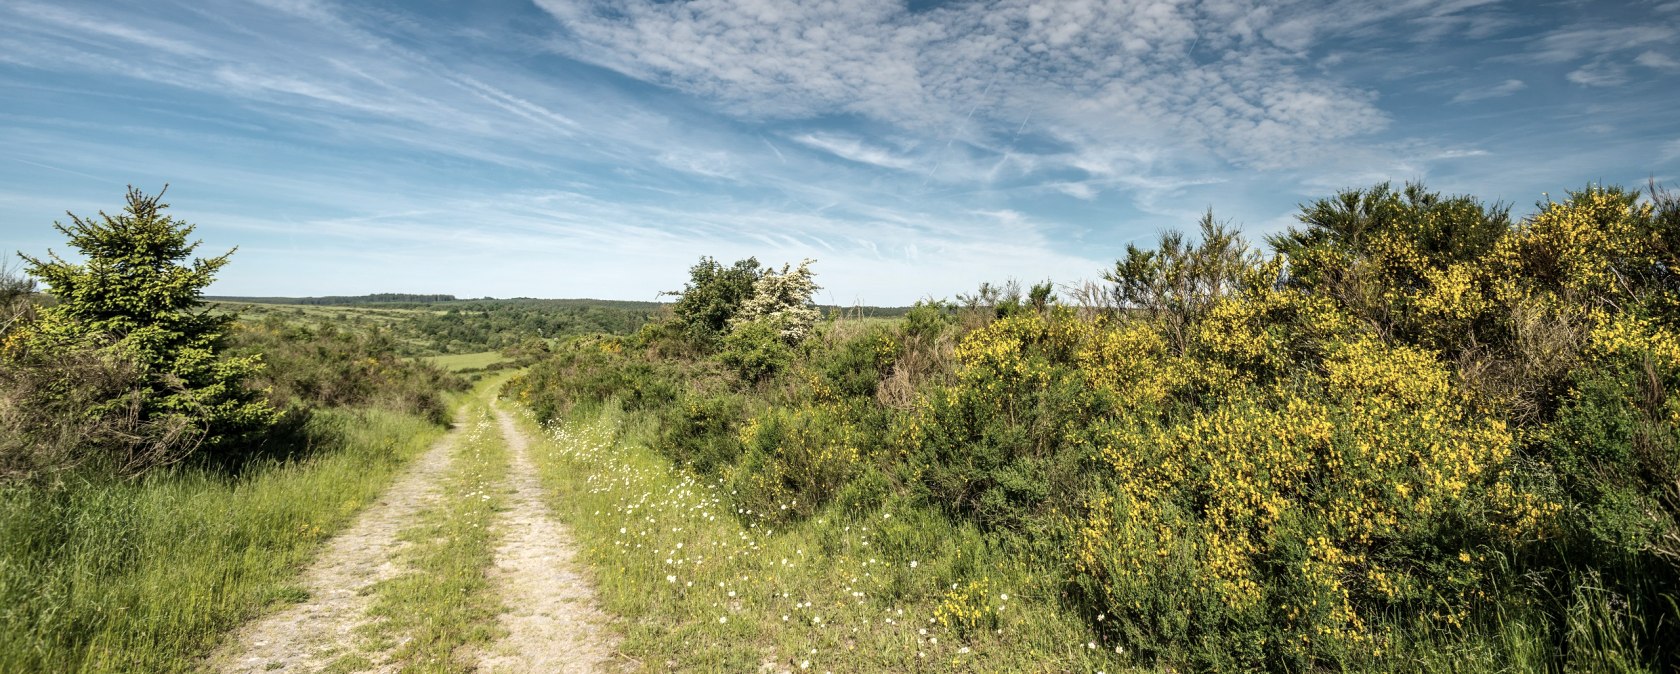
x=1411, y=433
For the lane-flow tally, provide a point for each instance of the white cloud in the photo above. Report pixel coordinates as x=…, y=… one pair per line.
x=1568, y=44
x=1500, y=90
x=1460, y=154
x=1109, y=73
x=85, y=27
x=1599, y=73
x=852, y=149
x=1670, y=150
x=1079, y=190
x=1657, y=60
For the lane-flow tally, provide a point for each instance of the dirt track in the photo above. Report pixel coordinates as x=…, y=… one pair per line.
x=550, y=622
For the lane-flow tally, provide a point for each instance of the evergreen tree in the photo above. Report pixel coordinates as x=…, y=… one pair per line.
x=138, y=300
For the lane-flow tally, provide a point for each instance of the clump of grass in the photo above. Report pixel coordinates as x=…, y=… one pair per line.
x=443, y=603
x=144, y=575
x=862, y=585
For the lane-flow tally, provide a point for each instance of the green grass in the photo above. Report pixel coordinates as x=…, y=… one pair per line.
x=701, y=588
x=145, y=576
x=444, y=604
x=459, y=362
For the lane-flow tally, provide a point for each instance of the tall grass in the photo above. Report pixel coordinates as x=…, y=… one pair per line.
x=145, y=575
x=863, y=585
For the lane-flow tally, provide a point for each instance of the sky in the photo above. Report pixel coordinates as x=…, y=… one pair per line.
x=575, y=148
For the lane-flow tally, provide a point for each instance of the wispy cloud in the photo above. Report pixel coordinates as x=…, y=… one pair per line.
x=1599, y=73
x=578, y=145
x=1086, y=72
x=1671, y=150
x=852, y=149
x=1568, y=44
x=85, y=28
x=1657, y=60
x=1500, y=90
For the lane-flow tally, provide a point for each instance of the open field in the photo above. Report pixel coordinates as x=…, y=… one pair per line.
x=457, y=362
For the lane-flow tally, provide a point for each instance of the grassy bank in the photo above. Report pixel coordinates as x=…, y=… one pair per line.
x=145, y=575
x=862, y=586
x=427, y=617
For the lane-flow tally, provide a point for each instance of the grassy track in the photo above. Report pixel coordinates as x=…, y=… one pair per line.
x=702, y=591
x=444, y=603
x=145, y=576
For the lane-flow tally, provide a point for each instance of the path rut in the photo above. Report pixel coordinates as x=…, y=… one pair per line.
x=553, y=624
x=308, y=636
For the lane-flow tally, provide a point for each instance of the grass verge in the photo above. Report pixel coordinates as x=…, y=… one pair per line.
x=879, y=588
x=144, y=576
x=426, y=618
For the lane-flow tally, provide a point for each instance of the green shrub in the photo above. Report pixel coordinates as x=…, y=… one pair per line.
x=312, y=366
x=756, y=350
x=712, y=297
x=855, y=366
x=995, y=446
x=700, y=431
x=794, y=461
x=590, y=371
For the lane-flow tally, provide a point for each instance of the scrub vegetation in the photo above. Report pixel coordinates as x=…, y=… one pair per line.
x=167, y=470
x=1410, y=434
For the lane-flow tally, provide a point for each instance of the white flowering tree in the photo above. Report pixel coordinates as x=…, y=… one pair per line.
x=782, y=299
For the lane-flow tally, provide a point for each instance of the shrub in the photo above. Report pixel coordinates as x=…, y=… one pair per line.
x=712, y=297
x=995, y=445
x=794, y=461
x=312, y=366
x=782, y=300
x=1175, y=283
x=756, y=350
x=700, y=431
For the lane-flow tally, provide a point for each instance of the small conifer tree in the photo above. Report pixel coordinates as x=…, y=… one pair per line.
x=136, y=299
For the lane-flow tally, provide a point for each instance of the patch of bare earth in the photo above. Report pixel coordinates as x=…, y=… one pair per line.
x=552, y=623
x=308, y=636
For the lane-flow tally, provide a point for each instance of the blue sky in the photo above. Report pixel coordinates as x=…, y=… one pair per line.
x=563, y=148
